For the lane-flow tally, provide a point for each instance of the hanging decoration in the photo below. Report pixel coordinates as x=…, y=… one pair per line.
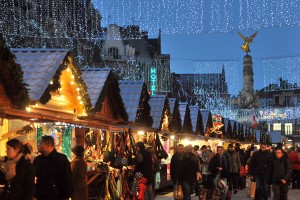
x=67, y=140
x=39, y=133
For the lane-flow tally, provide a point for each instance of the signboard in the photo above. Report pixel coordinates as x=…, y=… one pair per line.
x=217, y=124
x=153, y=79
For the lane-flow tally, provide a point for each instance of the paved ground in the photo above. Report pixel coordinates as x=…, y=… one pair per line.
x=242, y=194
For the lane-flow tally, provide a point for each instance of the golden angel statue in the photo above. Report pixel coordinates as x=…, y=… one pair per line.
x=247, y=41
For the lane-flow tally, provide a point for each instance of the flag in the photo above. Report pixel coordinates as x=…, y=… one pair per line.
x=252, y=122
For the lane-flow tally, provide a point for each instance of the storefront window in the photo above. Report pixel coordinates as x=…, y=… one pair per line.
x=277, y=127
x=288, y=128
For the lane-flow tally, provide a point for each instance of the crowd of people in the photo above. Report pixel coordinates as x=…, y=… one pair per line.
x=50, y=175
x=220, y=174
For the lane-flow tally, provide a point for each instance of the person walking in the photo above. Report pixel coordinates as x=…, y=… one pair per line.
x=258, y=167
x=295, y=162
x=18, y=176
x=78, y=168
x=190, y=172
x=234, y=165
x=176, y=164
x=144, y=166
x=219, y=170
x=279, y=174
x=155, y=169
x=53, y=172
x=207, y=179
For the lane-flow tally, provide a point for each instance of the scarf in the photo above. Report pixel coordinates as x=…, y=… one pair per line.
x=10, y=167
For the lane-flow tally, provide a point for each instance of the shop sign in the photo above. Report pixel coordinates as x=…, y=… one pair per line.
x=276, y=114
x=153, y=78
x=217, y=124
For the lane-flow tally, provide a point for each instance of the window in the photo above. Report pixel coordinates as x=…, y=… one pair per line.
x=277, y=100
x=287, y=101
x=277, y=127
x=114, y=52
x=288, y=128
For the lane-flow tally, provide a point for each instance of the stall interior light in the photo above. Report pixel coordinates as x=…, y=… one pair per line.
x=172, y=137
x=28, y=109
x=140, y=132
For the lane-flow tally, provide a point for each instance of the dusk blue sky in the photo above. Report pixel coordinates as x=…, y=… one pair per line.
x=207, y=30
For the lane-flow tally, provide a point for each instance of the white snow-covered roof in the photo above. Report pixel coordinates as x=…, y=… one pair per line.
x=172, y=104
x=194, y=111
x=182, y=110
x=131, y=91
x=94, y=79
x=157, y=103
x=39, y=67
x=205, y=114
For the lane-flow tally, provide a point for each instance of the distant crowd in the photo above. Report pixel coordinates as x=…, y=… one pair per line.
x=219, y=174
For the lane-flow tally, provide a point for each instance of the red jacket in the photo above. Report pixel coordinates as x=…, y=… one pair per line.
x=295, y=160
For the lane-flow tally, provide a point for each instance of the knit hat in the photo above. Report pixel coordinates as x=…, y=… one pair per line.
x=78, y=150
x=230, y=145
x=138, y=175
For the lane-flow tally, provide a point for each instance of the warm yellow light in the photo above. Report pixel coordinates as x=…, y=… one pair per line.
x=72, y=76
x=78, y=89
x=79, y=97
x=81, y=102
x=72, y=82
x=172, y=137
x=28, y=109
x=140, y=132
x=36, y=104
x=51, y=82
x=68, y=69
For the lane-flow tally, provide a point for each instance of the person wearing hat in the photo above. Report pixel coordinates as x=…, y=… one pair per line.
x=78, y=167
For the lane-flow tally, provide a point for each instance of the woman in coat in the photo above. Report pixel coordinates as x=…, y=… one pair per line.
x=18, y=174
x=79, y=167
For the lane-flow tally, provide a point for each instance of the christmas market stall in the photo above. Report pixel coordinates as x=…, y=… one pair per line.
x=160, y=112
x=106, y=148
x=57, y=93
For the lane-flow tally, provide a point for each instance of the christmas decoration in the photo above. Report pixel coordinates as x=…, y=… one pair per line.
x=67, y=141
x=144, y=109
x=187, y=124
x=11, y=77
x=175, y=120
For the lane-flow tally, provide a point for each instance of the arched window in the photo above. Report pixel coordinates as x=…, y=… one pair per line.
x=114, y=52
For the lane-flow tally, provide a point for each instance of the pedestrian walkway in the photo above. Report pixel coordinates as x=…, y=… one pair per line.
x=293, y=194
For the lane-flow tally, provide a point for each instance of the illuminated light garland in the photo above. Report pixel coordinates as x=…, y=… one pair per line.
x=231, y=69
x=272, y=72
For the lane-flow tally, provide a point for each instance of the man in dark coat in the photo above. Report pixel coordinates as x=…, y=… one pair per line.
x=258, y=171
x=279, y=173
x=190, y=172
x=176, y=164
x=53, y=172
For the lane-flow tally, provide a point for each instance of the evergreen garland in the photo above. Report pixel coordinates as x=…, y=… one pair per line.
x=69, y=62
x=187, y=125
x=11, y=77
x=175, y=120
x=144, y=110
x=111, y=90
x=199, y=126
x=166, y=111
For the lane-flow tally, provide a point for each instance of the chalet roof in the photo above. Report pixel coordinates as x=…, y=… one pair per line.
x=182, y=110
x=39, y=67
x=205, y=114
x=226, y=120
x=131, y=91
x=172, y=104
x=232, y=124
x=157, y=103
x=95, y=79
x=194, y=116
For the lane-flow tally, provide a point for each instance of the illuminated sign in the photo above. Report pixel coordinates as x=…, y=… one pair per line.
x=217, y=124
x=276, y=114
x=153, y=78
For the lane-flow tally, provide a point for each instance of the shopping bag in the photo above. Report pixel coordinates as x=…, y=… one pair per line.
x=242, y=171
x=157, y=180
x=178, y=193
x=252, y=191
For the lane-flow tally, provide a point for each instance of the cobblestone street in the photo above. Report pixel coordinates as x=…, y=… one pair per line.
x=293, y=194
